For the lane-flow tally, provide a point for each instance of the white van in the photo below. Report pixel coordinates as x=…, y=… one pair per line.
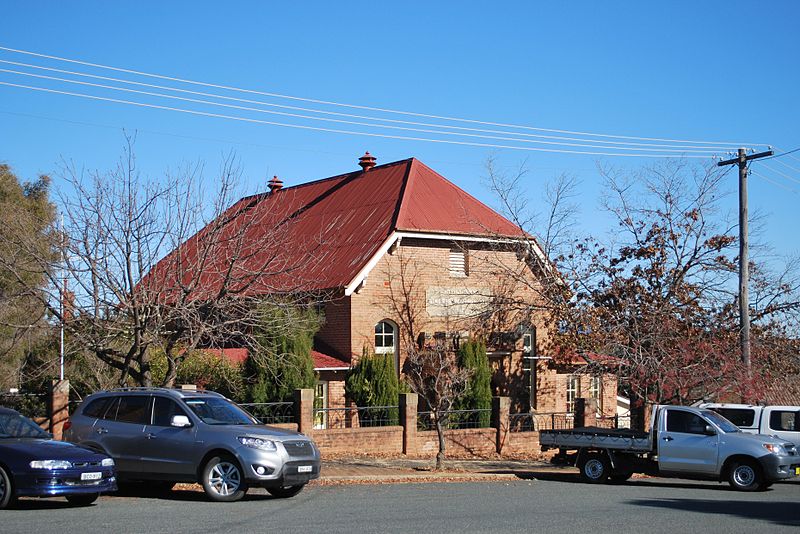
x=781, y=421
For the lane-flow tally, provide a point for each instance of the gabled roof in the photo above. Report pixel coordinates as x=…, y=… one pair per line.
x=319, y=235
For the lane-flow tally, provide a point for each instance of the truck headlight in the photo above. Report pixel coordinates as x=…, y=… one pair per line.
x=50, y=464
x=775, y=449
x=258, y=443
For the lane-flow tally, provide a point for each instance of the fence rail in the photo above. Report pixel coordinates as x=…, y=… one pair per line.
x=349, y=417
x=456, y=419
x=533, y=422
x=271, y=413
x=28, y=404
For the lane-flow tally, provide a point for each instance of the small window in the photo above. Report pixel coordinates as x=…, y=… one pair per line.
x=573, y=383
x=163, y=411
x=321, y=405
x=384, y=337
x=96, y=407
x=458, y=263
x=133, y=409
x=596, y=389
x=743, y=417
x=784, y=420
x=685, y=422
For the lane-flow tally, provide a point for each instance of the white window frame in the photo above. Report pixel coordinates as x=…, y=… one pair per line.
x=573, y=390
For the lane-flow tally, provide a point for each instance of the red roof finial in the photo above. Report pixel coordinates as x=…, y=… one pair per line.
x=275, y=184
x=367, y=161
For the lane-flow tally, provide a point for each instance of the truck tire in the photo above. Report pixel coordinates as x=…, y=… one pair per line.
x=745, y=475
x=595, y=468
x=620, y=476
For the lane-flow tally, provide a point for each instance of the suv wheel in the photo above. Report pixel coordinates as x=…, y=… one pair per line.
x=223, y=479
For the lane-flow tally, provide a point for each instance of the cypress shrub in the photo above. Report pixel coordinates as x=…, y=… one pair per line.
x=373, y=382
x=478, y=394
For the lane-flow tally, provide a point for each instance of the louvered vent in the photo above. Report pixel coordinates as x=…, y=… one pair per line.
x=458, y=263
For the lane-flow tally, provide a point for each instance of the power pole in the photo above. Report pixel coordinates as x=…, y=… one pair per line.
x=744, y=250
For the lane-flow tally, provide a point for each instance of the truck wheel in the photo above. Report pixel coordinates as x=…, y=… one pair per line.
x=745, y=476
x=595, y=468
x=223, y=479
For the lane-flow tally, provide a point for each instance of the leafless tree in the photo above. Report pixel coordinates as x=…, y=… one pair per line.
x=168, y=266
x=433, y=373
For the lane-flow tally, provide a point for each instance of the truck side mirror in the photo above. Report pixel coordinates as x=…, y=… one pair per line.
x=709, y=431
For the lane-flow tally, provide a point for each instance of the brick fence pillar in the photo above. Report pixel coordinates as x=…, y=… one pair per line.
x=351, y=415
x=500, y=410
x=59, y=407
x=408, y=418
x=304, y=409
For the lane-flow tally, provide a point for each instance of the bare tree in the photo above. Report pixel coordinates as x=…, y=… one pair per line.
x=167, y=266
x=433, y=373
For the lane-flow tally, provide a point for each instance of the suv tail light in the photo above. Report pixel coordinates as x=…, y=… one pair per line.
x=67, y=425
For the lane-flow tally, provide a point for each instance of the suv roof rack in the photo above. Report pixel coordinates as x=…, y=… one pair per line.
x=180, y=391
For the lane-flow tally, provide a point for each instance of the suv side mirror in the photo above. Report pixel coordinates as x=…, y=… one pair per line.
x=709, y=431
x=180, y=421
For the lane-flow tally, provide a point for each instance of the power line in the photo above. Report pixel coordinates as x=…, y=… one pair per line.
x=788, y=153
x=368, y=108
x=349, y=115
x=793, y=179
x=347, y=132
x=339, y=121
x=773, y=182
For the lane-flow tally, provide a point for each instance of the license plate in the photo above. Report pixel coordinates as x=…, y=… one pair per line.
x=304, y=469
x=91, y=476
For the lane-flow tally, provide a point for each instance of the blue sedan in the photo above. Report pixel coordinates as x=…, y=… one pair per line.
x=32, y=464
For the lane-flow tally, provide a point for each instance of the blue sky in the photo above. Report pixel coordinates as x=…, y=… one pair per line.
x=705, y=71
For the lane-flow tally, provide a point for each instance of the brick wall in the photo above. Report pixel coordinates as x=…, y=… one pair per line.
x=359, y=441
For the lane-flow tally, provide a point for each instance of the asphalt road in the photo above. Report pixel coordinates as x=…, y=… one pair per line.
x=555, y=505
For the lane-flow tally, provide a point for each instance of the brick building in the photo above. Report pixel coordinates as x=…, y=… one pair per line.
x=396, y=247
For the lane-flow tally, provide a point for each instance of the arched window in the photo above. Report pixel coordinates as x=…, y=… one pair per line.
x=386, y=339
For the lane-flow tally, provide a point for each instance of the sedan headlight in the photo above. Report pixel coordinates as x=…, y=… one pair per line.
x=258, y=443
x=107, y=462
x=50, y=464
x=775, y=449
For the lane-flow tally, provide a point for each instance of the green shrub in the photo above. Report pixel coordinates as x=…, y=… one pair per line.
x=281, y=361
x=373, y=382
x=478, y=394
x=206, y=370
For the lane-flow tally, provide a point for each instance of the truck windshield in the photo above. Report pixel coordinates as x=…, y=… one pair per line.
x=723, y=424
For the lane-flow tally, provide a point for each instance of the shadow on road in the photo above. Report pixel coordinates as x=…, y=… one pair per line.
x=779, y=513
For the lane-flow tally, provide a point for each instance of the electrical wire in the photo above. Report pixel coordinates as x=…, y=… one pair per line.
x=776, y=171
x=349, y=115
x=348, y=132
x=776, y=184
x=339, y=121
x=368, y=108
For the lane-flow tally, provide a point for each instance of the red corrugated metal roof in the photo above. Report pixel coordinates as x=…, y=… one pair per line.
x=323, y=362
x=319, y=235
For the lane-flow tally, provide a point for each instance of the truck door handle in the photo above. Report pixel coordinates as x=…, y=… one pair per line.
x=667, y=438
x=102, y=431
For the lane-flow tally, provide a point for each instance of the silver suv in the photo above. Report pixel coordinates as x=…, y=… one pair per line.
x=163, y=436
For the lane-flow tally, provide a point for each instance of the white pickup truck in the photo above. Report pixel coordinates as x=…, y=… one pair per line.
x=780, y=421
x=684, y=442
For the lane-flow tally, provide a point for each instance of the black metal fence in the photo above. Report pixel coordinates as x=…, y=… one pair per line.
x=456, y=419
x=28, y=404
x=368, y=416
x=271, y=413
x=533, y=422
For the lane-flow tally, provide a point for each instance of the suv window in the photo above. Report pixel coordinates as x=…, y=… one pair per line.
x=737, y=416
x=164, y=409
x=784, y=420
x=133, y=409
x=96, y=407
x=686, y=422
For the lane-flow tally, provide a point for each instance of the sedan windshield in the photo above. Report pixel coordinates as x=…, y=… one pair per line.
x=216, y=411
x=14, y=425
x=723, y=424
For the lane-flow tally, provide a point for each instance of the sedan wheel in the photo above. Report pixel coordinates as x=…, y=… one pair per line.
x=6, y=491
x=223, y=480
x=82, y=500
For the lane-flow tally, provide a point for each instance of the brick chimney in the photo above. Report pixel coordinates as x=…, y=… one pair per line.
x=275, y=184
x=367, y=161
